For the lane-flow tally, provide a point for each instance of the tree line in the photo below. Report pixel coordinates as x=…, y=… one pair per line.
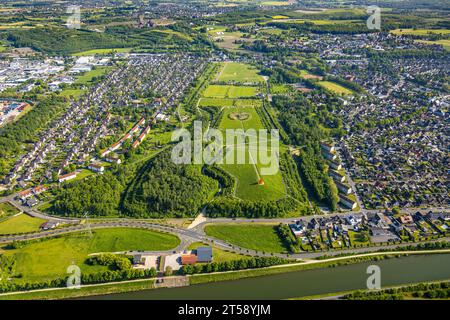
x=241, y=264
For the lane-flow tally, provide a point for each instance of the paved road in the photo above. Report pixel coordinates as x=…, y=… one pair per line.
x=35, y=213
x=187, y=236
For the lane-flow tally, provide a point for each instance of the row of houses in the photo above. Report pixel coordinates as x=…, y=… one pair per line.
x=335, y=171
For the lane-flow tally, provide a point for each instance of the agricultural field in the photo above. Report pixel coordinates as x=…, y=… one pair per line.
x=238, y=72
x=336, y=88
x=101, y=52
x=49, y=259
x=260, y=237
x=318, y=22
x=276, y=3
x=21, y=223
x=420, y=32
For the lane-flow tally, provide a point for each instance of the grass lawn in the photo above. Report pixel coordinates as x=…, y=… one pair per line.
x=88, y=76
x=74, y=93
x=239, y=72
x=335, y=87
x=355, y=239
x=219, y=255
x=260, y=237
x=211, y=102
x=49, y=259
x=20, y=224
x=246, y=174
x=248, y=103
x=280, y=89
x=219, y=91
x=7, y=210
x=101, y=52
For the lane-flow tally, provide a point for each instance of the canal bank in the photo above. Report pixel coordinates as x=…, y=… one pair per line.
x=394, y=271
x=102, y=289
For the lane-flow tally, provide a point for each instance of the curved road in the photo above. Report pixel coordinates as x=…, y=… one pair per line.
x=187, y=236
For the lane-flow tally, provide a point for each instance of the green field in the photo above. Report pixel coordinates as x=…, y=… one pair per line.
x=260, y=237
x=220, y=91
x=74, y=93
x=238, y=72
x=280, y=89
x=7, y=210
x=248, y=174
x=318, y=22
x=336, y=88
x=49, y=259
x=253, y=122
x=211, y=102
x=420, y=32
x=20, y=224
x=101, y=52
x=275, y=3
x=89, y=76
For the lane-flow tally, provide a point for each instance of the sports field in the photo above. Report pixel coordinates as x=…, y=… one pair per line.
x=238, y=72
x=223, y=91
x=49, y=259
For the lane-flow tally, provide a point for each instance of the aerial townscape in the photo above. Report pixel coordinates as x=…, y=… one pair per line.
x=350, y=100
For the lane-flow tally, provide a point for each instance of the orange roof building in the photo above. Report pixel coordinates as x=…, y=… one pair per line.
x=188, y=259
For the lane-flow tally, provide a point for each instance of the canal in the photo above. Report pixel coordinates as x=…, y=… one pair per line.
x=394, y=271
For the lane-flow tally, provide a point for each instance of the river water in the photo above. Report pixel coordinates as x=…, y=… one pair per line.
x=394, y=271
